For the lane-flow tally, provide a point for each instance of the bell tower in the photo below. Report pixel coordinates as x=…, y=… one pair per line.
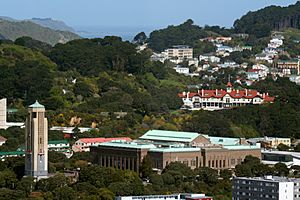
x=36, y=142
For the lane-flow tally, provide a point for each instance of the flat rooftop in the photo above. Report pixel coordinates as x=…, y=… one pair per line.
x=170, y=136
x=269, y=179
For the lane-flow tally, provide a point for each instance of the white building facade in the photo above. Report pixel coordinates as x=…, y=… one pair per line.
x=267, y=188
x=221, y=99
x=3, y=114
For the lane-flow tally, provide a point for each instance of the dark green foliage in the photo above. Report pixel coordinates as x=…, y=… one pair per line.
x=252, y=167
x=90, y=57
x=283, y=147
x=33, y=44
x=11, y=194
x=146, y=167
x=186, y=33
x=140, y=38
x=261, y=22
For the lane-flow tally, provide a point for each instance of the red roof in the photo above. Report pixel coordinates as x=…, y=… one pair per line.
x=254, y=70
x=236, y=94
x=101, y=140
x=2, y=139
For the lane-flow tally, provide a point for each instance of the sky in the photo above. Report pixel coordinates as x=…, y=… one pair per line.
x=135, y=13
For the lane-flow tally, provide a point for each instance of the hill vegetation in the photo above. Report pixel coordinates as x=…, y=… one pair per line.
x=12, y=30
x=261, y=22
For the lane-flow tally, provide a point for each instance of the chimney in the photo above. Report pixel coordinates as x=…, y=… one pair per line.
x=216, y=91
x=184, y=93
x=264, y=95
x=187, y=94
x=198, y=91
x=202, y=92
x=246, y=92
x=237, y=91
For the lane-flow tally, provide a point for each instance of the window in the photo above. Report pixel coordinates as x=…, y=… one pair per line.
x=186, y=162
x=193, y=163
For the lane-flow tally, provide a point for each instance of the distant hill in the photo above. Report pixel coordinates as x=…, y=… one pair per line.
x=14, y=29
x=261, y=22
x=53, y=24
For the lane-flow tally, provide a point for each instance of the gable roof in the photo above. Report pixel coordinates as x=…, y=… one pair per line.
x=236, y=94
x=169, y=136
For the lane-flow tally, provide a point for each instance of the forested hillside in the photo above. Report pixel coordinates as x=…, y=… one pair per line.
x=94, y=78
x=261, y=22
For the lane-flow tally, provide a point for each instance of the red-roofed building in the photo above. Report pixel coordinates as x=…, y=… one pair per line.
x=222, y=99
x=83, y=144
x=2, y=140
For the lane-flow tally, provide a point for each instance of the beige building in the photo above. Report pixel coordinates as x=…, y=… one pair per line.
x=289, y=67
x=3, y=114
x=180, y=51
x=36, y=142
x=271, y=142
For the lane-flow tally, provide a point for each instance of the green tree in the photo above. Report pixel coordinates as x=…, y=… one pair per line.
x=146, y=167
x=64, y=193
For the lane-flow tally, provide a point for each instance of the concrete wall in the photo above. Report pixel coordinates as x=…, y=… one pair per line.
x=3, y=114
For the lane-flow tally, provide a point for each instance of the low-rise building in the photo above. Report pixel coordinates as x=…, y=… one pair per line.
x=164, y=147
x=222, y=99
x=279, y=188
x=182, y=70
x=2, y=140
x=58, y=145
x=209, y=58
x=272, y=157
x=183, y=196
x=84, y=144
x=8, y=154
x=271, y=142
x=179, y=51
x=289, y=67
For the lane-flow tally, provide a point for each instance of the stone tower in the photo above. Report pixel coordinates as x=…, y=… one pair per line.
x=2, y=113
x=36, y=142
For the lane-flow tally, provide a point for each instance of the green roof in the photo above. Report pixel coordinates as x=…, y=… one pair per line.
x=170, y=136
x=10, y=153
x=36, y=105
x=131, y=145
x=225, y=141
x=175, y=150
x=58, y=142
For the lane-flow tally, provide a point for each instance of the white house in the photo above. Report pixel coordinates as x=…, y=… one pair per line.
x=222, y=99
x=252, y=75
x=2, y=140
x=209, y=58
x=225, y=49
x=182, y=70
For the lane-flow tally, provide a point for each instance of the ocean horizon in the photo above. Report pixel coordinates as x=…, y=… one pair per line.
x=127, y=33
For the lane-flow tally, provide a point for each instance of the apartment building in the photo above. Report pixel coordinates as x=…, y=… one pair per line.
x=267, y=188
x=180, y=51
x=183, y=196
